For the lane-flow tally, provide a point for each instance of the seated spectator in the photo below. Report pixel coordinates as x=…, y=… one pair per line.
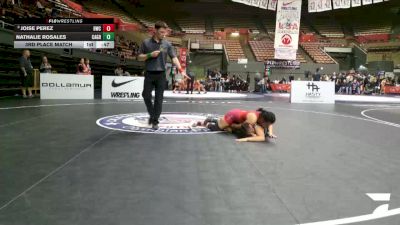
x=45, y=67
x=81, y=68
x=119, y=71
x=39, y=6
x=89, y=69
x=10, y=4
x=3, y=14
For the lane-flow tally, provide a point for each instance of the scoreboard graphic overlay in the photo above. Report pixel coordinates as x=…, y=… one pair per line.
x=64, y=33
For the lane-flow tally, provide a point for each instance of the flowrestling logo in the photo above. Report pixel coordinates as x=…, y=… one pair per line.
x=170, y=123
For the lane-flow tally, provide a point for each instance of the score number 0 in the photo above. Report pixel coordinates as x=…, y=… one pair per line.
x=108, y=27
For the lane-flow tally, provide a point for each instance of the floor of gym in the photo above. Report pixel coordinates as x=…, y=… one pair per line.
x=57, y=166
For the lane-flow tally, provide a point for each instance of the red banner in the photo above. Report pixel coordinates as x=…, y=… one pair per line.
x=391, y=89
x=182, y=57
x=280, y=87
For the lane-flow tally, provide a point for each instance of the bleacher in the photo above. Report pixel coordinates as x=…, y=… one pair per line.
x=65, y=10
x=220, y=23
x=315, y=50
x=192, y=25
x=108, y=9
x=147, y=22
x=233, y=48
x=269, y=25
x=328, y=28
x=264, y=50
x=365, y=29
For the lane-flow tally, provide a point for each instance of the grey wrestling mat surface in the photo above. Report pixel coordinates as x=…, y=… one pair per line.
x=57, y=166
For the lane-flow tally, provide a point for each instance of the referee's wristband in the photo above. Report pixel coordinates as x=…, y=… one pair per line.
x=149, y=56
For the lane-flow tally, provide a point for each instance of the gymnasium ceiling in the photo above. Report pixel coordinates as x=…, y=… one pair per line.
x=172, y=9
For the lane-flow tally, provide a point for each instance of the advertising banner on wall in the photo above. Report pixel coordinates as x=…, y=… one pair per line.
x=114, y=87
x=282, y=64
x=312, y=92
x=66, y=86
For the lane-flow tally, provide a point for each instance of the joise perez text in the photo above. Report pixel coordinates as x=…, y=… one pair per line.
x=36, y=28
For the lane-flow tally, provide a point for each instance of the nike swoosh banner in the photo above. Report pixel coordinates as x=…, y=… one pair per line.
x=114, y=87
x=287, y=29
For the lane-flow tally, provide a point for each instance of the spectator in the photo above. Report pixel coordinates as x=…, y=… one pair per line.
x=355, y=87
x=119, y=71
x=317, y=75
x=45, y=67
x=217, y=80
x=333, y=77
x=126, y=73
x=10, y=4
x=89, y=69
x=3, y=14
x=40, y=7
x=81, y=68
x=26, y=73
x=262, y=85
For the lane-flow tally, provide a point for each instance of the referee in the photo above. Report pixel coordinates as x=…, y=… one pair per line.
x=154, y=52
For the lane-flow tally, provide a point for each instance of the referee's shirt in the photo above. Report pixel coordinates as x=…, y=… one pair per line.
x=157, y=64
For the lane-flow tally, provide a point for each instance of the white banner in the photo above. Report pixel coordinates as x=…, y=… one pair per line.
x=256, y=3
x=286, y=54
x=378, y=1
x=345, y=4
x=312, y=92
x=355, y=3
x=114, y=87
x=66, y=86
x=323, y=5
x=367, y=2
x=272, y=5
x=240, y=1
x=312, y=6
x=326, y=5
x=248, y=2
x=319, y=5
x=264, y=4
x=287, y=29
x=337, y=4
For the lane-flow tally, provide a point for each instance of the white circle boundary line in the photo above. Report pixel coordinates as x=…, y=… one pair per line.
x=363, y=113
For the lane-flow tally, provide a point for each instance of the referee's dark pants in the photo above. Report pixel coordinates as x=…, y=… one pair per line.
x=154, y=80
